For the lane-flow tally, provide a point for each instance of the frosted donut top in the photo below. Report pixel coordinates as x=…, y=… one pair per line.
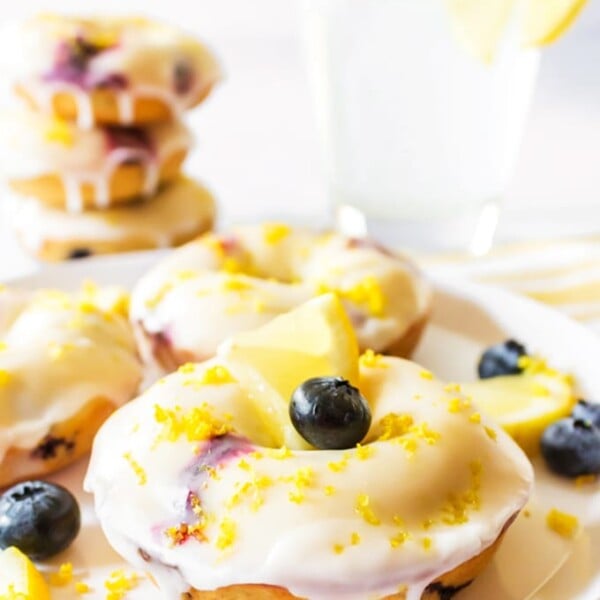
x=33, y=145
x=211, y=503
x=238, y=280
x=58, y=352
x=136, y=56
x=182, y=208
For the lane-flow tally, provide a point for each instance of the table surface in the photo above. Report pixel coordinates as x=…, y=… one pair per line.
x=257, y=145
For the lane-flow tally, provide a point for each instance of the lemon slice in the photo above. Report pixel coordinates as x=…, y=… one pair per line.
x=524, y=405
x=312, y=340
x=546, y=20
x=19, y=578
x=481, y=25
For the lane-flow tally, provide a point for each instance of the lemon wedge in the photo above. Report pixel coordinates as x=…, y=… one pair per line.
x=19, y=579
x=524, y=405
x=312, y=340
x=480, y=26
x=546, y=20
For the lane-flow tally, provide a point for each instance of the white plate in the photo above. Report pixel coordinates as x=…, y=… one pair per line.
x=533, y=562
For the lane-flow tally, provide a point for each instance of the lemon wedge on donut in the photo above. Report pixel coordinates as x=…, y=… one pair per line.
x=312, y=340
x=524, y=405
x=19, y=578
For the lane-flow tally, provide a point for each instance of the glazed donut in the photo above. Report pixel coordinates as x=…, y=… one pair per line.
x=66, y=362
x=224, y=283
x=76, y=169
x=228, y=513
x=178, y=213
x=107, y=70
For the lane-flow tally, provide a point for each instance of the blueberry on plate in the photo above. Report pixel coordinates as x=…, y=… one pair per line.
x=501, y=359
x=588, y=411
x=329, y=413
x=39, y=518
x=571, y=447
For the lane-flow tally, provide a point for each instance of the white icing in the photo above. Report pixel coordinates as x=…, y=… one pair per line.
x=183, y=208
x=29, y=150
x=145, y=54
x=290, y=544
x=198, y=311
x=56, y=357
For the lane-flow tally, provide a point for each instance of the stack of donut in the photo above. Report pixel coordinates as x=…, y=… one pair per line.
x=93, y=153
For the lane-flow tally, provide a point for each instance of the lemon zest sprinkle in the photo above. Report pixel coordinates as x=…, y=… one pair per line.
x=563, y=523
x=227, y=533
x=137, y=468
x=63, y=576
x=118, y=584
x=275, y=232
x=372, y=360
x=364, y=509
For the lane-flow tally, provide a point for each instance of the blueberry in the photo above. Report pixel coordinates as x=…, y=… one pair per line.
x=79, y=253
x=501, y=359
x=571, y=447
x=329, y=413
x=588, y=411
x=39, y=518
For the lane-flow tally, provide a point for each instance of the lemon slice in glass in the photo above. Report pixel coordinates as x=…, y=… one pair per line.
x=19, y=578
x=524, y=405
x=480, y=25
x=313, y=340
x=546, y=20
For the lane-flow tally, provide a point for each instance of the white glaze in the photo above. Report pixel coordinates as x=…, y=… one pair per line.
x=199, y=310
x=182, y=208
x=145, y=53
x=291, y=544
x=57, y=355
x=30, y=148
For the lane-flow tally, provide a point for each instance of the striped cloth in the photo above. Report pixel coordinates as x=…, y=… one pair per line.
x=564, y=274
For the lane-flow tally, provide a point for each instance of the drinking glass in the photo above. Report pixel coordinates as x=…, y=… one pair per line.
x=419, y=136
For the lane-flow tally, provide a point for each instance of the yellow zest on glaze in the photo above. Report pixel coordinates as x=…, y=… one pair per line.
x=137, y=468
x=63, y=576
x=475, y=418
x=354, y=539
x=456, y=405
x=425, y=374
x=182, y=532
x=81, y=587
x=363, y=508
x=217, y=375
x=399, y=538
x=364, y=452
x=339, y=466
x=232, y=265
x=227, y=533
x=282, y=453
x=197, y=424
x=338, y=548
x=329, y=490
x=275, y=232
x=118, y=584
x=563, y=523
x=426, y=542
x=59, y=131
x=253, y=489
x=456, y=510
x=366, y=293
x=235, y=284
x=452, y=388
x=372, y=360
x=3, y=346
x=394, y=425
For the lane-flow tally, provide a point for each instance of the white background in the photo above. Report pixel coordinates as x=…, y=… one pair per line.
x=257, y=143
